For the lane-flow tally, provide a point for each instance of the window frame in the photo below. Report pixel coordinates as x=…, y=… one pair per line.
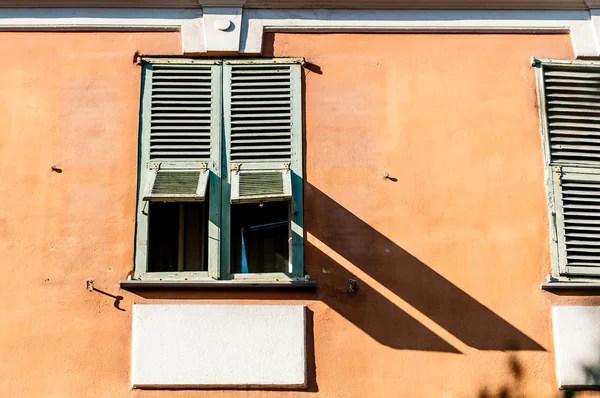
x=560, y=271
x=219, y=222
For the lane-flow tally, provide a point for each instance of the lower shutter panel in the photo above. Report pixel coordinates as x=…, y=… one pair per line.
x=177, y=186
x=261, y=186
x=579, y=220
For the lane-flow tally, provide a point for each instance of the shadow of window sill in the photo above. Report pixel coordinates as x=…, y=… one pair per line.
x=132, y=285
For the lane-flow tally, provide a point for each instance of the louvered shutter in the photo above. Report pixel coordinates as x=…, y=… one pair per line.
x=577, y=200
x=570, y=108
x=263, y=131
x=182, y=133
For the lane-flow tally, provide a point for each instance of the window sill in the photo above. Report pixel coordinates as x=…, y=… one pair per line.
x=553, y=286
x=219, y=285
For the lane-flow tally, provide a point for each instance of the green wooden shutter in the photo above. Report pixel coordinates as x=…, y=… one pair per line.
x=572, y=104
x=259, y=122
x=577, y=203
x=180, y=152
x=569, y=102
x=262, y=109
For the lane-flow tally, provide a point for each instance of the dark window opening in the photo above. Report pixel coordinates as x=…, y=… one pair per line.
x=177, y=238
x=260, y=237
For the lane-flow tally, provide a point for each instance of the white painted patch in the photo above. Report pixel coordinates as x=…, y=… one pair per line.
x=577, y=345
x=194, y=345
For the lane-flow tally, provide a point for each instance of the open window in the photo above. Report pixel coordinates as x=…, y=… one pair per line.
x=220, y=170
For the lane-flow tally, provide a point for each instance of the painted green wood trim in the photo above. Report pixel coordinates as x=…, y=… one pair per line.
x=266, y=276
x=225, y=178
x=583, y=271
x=214, y=166
x=183, y=275
x=297, y=224
x=264, y=61
x=179, y=61
x=214, y=204
x=141, y=244
x=566, y=62
x=548, y=174
x=559, y=221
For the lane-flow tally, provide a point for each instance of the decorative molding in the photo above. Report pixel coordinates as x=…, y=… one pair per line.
x=578, y=23
x=200, y=34
x=222, y=27
x=187, y=21
x=314, y=4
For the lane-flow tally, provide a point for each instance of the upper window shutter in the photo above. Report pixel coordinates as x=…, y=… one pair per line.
x=261, y=114
x=572, y=113
x=570, y=110
x=182, y=129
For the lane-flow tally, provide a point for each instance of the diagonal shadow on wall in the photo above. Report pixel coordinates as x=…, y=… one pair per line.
x=404, y=275
x=401, y=273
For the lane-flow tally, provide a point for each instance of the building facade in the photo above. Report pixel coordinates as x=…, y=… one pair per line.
x=353, y=199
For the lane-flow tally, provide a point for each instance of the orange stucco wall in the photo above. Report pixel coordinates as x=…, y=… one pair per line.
x=448, y=256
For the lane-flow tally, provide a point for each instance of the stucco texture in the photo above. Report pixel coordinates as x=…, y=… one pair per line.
x=448, y=254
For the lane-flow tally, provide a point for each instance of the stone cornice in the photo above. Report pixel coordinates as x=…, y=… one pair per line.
x=315, y=4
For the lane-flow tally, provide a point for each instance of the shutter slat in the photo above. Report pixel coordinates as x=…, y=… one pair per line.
x=246, y=128
x=169, y=97
x=575, y=147
x=573, y=88
x=264, y=121
x=567, y=73
x=578, y=139
x=595, y=126
x=260, y=97
x=175, y=127
x=579, y=228
x=183, y=134
x=177, y=90
x=171, y=109
x=554, y=133
x=241, y=147
x=573, y=103
x=574, y=154
x=573, y=80
x=554, y=110
x=564, y=116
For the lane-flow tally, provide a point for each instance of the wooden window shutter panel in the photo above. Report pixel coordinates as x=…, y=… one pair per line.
x=180, y=144
x=569, y=100
x=262, y=115
x=577, y=203
x=260, y=102
x=572, y=113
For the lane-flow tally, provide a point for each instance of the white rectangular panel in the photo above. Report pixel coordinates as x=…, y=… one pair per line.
x=195, y=345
